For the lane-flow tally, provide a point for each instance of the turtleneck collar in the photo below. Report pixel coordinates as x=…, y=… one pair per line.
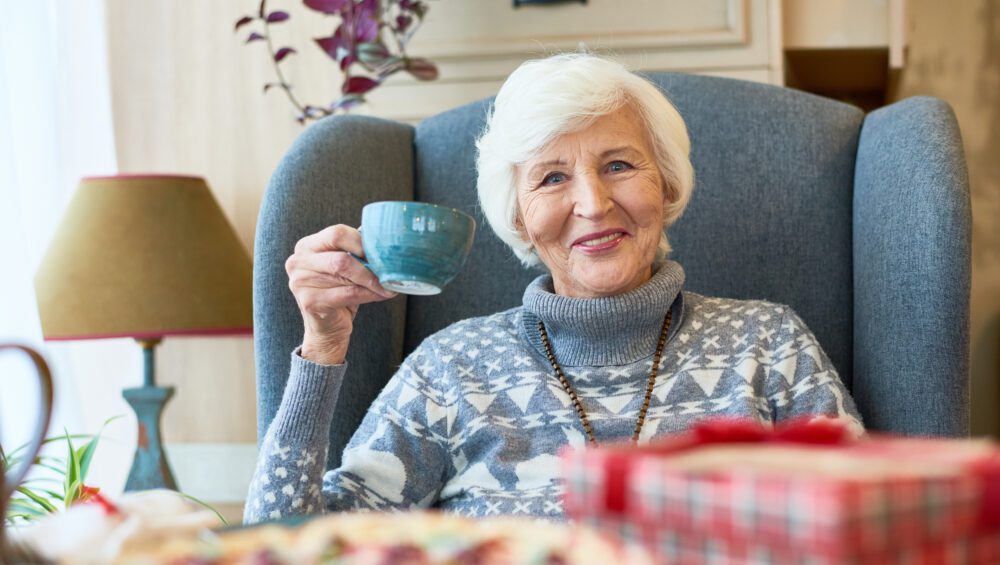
x=615, y=330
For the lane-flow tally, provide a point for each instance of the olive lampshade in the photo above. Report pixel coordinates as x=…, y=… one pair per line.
x=144, y=256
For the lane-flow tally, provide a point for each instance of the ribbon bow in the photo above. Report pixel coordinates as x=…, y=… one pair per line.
x=806, y=431
x=810, y=431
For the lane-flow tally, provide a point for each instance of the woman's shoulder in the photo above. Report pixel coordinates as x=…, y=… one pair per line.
x=485, y=330
x=712, y=305
x=769, y=322
x=734, y=311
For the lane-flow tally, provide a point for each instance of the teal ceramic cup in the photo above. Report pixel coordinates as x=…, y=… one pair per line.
x=413, y=247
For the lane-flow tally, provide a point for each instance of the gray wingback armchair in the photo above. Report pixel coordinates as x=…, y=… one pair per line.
x=860, y=222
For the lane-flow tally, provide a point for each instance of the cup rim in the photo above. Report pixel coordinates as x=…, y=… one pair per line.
x=423, y=204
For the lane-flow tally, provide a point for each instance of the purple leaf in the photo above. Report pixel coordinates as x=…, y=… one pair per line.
x=372, y=54
x=419, y=9
x=403, y=22
x=391, y=65
x=242, y=22
x=328, y=45
x=278, y=16
x=334, y=46
x=422, y=69
x=365, y=26
x=332, y=7
x=282, y=53
x=358, y=85
x=254, y=37
x=346, y=102
x=346, y=62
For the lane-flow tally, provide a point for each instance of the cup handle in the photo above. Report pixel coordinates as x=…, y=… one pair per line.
x=10, y=483
x=360, y=260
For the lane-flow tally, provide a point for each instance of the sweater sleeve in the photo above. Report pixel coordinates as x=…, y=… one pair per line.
x=399, y=456
x=396, y=459
x=292, y=457
x=803, y=381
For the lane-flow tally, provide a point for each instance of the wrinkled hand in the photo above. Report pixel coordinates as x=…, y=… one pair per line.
x=329, y=285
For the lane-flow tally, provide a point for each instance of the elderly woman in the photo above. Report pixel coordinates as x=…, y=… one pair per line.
x=581, y=167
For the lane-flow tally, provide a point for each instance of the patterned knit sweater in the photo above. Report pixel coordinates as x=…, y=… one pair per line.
x=473, y=420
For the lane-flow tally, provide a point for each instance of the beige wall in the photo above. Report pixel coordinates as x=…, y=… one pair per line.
x=954, y=53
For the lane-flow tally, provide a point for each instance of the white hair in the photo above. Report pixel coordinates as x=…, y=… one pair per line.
x=546, y=98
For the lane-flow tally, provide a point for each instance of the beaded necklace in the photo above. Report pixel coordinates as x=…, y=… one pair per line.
x=576, y=400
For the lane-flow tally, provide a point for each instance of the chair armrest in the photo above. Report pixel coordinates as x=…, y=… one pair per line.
x=912, y=238
x=333, y=169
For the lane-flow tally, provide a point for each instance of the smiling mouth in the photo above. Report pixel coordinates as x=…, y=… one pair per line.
x=601, y=240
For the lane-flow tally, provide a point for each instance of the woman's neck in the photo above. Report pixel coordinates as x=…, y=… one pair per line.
x=612, y=330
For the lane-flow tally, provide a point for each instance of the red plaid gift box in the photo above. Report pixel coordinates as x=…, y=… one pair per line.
x=805, y=492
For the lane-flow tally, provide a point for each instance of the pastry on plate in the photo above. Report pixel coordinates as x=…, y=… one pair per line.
x=409, y=538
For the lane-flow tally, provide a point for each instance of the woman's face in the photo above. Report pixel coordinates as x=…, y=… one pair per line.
x=592, y=204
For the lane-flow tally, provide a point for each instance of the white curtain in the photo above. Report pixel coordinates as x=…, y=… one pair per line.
x=55, y=126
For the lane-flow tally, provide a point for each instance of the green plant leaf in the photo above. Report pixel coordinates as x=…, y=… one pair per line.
x=37, y=499
x=35, y=480
x=25, y=505
x=86, y=453
x=72, y=481
x=21, y=508
x=52, y=439
x=73, y=493
x=61, y=471
x=206, y=505
x=52, y=494
x=12, y=517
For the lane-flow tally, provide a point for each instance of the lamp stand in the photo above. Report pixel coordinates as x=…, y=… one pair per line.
x=149, y=467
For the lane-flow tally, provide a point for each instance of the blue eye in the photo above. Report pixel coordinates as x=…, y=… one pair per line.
x=554, y=178
x=618, y=166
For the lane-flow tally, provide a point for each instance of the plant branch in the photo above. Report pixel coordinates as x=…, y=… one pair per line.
x=277, y=64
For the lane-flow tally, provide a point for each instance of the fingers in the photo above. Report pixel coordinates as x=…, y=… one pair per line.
x=331, y=269
x=333, y=238
x=319, y=302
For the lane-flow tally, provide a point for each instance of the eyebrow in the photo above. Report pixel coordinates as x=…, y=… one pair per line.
x=534, y=170
x=617, y=150
x=537, y=168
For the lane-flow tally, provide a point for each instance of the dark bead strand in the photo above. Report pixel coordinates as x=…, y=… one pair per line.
x=576, y=400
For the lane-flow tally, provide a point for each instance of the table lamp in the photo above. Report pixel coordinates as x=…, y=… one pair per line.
x=144, y=256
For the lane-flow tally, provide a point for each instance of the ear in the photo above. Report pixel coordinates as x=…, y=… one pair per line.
x=519, y=226
x=667, y=193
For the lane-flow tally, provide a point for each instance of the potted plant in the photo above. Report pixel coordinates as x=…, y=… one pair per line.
x=368, y=43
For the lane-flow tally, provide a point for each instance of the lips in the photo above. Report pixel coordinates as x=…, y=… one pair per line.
x=600, y=240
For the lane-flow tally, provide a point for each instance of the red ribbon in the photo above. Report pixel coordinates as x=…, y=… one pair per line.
x=92, y=495
x=805, y=431
x=809, y=431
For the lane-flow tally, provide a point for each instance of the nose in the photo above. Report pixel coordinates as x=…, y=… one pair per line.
x=591, y=197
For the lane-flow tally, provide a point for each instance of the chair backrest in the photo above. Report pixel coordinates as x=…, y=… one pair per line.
x=771, y=217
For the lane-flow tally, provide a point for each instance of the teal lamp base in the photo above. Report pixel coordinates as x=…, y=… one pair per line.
x=149, y=467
